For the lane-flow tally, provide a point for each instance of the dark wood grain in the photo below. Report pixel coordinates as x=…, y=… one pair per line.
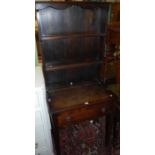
x=70, y=66
x=63, y=5
x=72, y=36
x=82, y=113
x=75, y=96
x=68, y=41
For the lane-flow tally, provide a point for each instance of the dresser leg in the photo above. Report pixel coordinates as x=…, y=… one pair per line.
x=55, y=135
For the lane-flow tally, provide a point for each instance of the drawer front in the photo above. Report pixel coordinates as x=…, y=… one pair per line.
x=88, y=112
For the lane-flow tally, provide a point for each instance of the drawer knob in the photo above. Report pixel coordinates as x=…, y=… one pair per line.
x=36, y=145
x=91, y=121
x=86, y=103
x=110, y=95
x=103, y=109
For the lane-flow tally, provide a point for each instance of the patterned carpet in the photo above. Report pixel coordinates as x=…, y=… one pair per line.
x=85, y=138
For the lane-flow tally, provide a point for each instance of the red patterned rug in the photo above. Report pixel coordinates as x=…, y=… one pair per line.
x=84, y=138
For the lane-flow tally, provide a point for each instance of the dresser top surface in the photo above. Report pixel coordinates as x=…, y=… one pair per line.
x=78, y=96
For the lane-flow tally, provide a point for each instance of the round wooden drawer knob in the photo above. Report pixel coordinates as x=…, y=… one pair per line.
x=91, y=121
x=110, y=95
x=86, y=103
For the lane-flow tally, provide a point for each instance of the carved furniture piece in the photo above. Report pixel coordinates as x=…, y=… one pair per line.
x=72, y=37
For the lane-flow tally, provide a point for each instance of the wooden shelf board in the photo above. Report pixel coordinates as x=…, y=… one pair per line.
x=69, y=66
x=71, y=35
